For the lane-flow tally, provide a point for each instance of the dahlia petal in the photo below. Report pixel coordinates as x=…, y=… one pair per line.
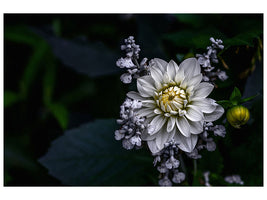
x=162, y=64
x=166, y=78
x=149, y=103
x=196, y=127
x=158, y=122
x=146, y=136
x=156, y=74
x=202, y=90
x=147, y=81
x=205, y=105
x=183, y=126
x=161, y=139
x=191, y=67
x=179, y=77
x=135, y=95
x=171, y=124
x=218, y=112
x=193, y=81
x=145, y=112
x=193, y=113
x=152, y=146
x=186, y=144
x=145, y=85
x=171, y=69
x=157, y=111
x=145, y=91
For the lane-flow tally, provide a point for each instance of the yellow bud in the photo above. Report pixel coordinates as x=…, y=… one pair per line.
x=237, y=116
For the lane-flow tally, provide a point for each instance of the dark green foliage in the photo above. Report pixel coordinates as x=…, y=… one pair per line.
x=89, y=155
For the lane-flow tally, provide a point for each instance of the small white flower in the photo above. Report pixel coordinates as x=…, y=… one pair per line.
x=178, y=177
x=175, y=104
x=126, y=78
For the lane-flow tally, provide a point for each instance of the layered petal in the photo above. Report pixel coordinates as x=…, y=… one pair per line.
x=172, y=68
x=202, y=90
x=135, y=95
x=152, y=146
x=157, y=122
x=171, y=124
x=218, y=112
x=194, y=114
x=191, y=67
x=186, y=144
x=196, y=127
x=183, y=126
x=205, y=105
x=161, y=64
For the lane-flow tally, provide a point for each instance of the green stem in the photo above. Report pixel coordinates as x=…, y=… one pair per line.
x=195, y=168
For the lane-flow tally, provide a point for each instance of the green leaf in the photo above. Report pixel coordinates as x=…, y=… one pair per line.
x=57, y=27
x=49, y=82
x=60, y=113
x=21, y=34
x=191, y=19
x=248, y=98
x=10, y=98
x=235, y=96
x=32, y=68
x=225, y=103
x=245, y=38
x=89, y=155
x=191, y=38
x=85, y=89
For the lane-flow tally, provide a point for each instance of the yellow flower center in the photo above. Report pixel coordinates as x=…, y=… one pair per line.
x=172, y=99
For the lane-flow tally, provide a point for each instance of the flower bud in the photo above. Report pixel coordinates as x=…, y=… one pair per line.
x=237, y=116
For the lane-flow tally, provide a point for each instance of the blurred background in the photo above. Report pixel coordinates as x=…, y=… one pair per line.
x=60, y=73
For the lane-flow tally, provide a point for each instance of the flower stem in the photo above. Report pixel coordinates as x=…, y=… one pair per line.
x=195, y=168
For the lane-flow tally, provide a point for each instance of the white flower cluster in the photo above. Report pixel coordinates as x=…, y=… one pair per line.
x=131, y=124
x=234, y=179
x=206, y=59
x=130, y=63
x=168, y=165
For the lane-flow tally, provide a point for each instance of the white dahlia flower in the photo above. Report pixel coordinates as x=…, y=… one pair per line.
x=175, y=104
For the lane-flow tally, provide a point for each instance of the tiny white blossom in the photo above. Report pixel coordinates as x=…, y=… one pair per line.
x=219, y=130
x=234, y=179
x=165, y=182
x=178, y=177
x=125, y=63
x=172, y=163
x=175, y=104
x=126, y=78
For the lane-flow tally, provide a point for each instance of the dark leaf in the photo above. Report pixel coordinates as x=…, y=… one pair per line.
x=10, y=98
x=32, y=67
x=245, y=38
x=60, y=113
x=192, y=39
x=49, y=82
x=21, y=34
x=90, y=59
x=191, y=19
x=225, y=103
x=249, y=98
x=89, y=155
